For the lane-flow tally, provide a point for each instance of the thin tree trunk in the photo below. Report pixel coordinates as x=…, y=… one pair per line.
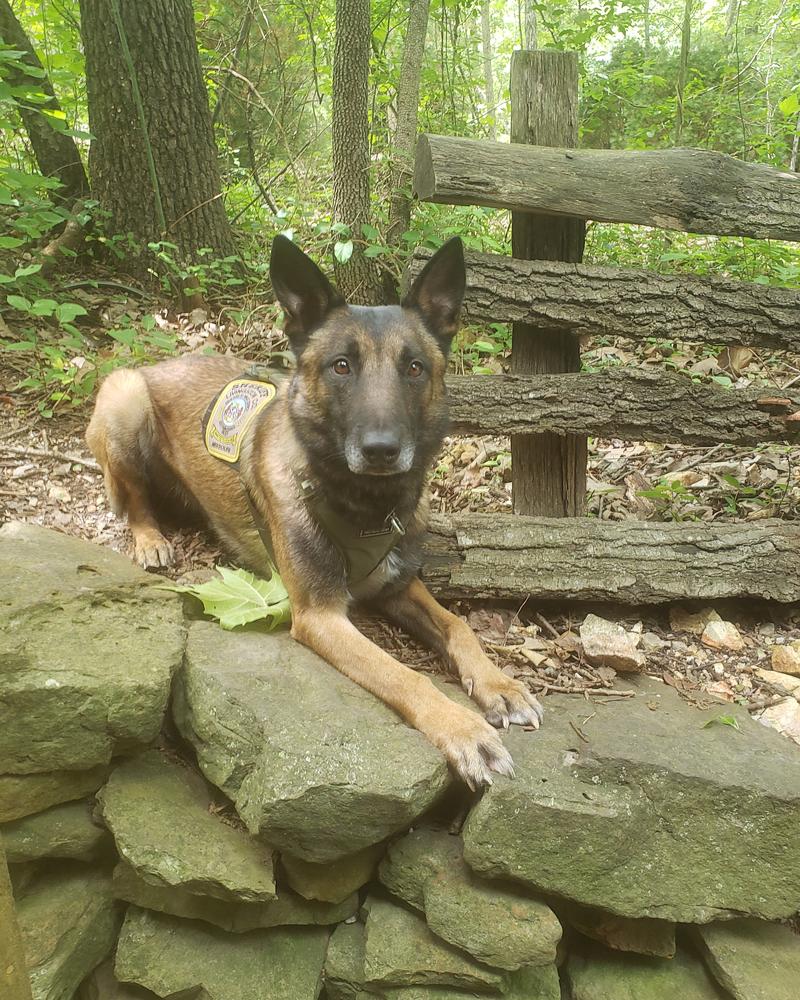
x=730, y=17
x=56, y=154
x=153, y=160
x=531, y=32
x=488, y=58
x=405, y=135
x=359, y=277
x=647, y=27
x=683, y=65
x=793, y=163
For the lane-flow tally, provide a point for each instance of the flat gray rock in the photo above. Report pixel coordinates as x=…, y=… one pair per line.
x=69, y=923
x=63, y=831
x=596, y=974
x=494, y=922
x=168, y=955
x=642, y=936
x=158, y=811
x=751, y=959
x=77, y=694
x=26, y=794
x=288, y=909
x=646, y=817
x=102, y=984
x=400, y=950
x=314, y=764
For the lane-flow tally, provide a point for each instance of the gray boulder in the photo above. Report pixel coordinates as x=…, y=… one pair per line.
x=644, y=815
x=25, y=794
x=751, y=959
x=593, y=973
x=494, y=922
x=642, y=936
x=332, y=882
x=69, y=923
x=238, y=917
x=63, y=831
x=313, y=763
x=158, y=811
x=400, y=950
x=168, y=955
x=76, y=695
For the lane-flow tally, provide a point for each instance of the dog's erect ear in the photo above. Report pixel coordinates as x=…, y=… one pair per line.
x=438, y=291
x=302, y=289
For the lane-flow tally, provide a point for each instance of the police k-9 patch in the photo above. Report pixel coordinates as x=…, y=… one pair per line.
x=231, y=414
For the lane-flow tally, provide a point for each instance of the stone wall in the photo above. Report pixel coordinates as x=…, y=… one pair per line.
x=192, y=812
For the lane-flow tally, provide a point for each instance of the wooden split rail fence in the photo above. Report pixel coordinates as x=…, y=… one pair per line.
x=546, y=549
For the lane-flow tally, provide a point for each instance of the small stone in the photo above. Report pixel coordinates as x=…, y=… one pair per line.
x=102, y=984
x=783, y=682
x=784, y=717
x=719, y=669
x=606, y=644
x=751, y=959
x=682, y=620
x=237, y=917
x=25, y=794
x=63, y=831
x=722, y=635
x=786, y=659
x=69, y=923
x=332, y=883
x=159, y=814
x=59, y=494
x=344, y=963
x=400, y=950
x=651, y=642
x=168, y=955
x=596, y=974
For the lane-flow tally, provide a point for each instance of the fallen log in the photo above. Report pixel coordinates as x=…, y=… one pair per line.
x=514, y=557
x=607, y=301
x=630, y=403
x=692, y=190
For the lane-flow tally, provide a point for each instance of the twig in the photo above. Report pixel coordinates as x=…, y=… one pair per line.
x=578, y=733
x=89, y=463
x=759, y=703
x=546, y=625
x=560, y=689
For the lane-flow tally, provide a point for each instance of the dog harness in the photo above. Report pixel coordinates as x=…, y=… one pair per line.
x=228, y=419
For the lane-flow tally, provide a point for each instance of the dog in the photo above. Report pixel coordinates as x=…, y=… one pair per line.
x=327, y=480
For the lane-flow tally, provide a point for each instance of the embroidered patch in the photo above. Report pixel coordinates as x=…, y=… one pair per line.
x=232, y=413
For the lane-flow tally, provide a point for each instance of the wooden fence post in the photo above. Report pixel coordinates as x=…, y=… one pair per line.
x=14, y=982
x=549, y=470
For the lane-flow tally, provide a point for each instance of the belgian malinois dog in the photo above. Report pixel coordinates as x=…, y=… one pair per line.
x=328, y=480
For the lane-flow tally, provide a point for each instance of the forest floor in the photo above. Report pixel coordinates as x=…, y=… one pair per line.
x=48, y=477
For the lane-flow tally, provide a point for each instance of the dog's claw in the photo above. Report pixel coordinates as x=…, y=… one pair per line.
x=153, y=551
x=469, y=685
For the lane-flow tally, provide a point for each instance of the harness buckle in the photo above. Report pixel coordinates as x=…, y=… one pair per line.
x=395, y=523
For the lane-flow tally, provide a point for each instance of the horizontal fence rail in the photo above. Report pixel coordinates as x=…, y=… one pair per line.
x=635, y=562
x=627, y=402
x=692, y=190
x=608, y=301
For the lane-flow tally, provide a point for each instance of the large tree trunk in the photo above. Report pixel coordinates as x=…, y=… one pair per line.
x=153, y=162
x=56, y=154
x=358, y=277
x=405, y=134
x=635, y=562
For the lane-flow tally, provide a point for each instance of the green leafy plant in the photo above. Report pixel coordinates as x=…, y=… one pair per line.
x=724, y=720
x=238, y=598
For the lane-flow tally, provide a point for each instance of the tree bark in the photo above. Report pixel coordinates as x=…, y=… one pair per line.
x=633, y=562
x=616, y=302
x=549, y=470
x=56, y=154
x=405, y=134
x=184, y=206
x=488, y=69
x=692, y=190
x=359, y=278
x=634, y=404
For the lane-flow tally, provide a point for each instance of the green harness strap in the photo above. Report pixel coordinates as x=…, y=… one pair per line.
x=362, y=551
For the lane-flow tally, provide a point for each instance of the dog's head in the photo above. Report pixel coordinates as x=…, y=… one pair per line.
x=369, y=390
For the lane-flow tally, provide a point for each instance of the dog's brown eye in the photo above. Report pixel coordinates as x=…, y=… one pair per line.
x=415, y=369
x=341, y=366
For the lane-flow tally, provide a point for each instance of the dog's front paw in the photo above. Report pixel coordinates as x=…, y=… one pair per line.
x=505, y=700
x=473, y=748
x=151, y=550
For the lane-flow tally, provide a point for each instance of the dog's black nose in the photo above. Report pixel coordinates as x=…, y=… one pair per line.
x=380, y=448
